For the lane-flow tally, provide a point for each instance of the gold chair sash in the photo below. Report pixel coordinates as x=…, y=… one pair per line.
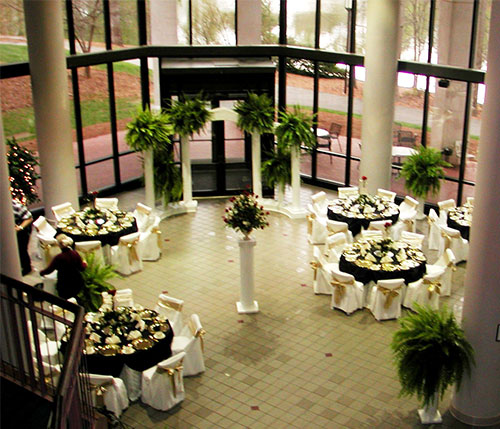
x=432, y=287
x=172, y=372
x=157, y=231
x=331, y=231
x=132, y=250
x=409, y=222
x=447, y=239
x=200, y=334
x=90, y=249
x=310, y=218
x=452, y=266
x=315, y=265
x=170, y=305
x=340, y=288
x=389, y=294
x=100, y=390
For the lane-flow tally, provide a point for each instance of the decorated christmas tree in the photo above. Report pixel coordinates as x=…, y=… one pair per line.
x=22, y=173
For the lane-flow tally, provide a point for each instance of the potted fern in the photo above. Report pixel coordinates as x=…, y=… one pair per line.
x=294, y=133
x=256, y=117
x=96, y=278
x=431, y=353
x=423, y=172
x=147, y=132
x=277, y=172
x=188, y=116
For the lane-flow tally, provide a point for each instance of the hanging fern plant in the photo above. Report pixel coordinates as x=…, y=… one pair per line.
x=188, y=115
x=168, y=178
x=148, y=130
x=255, y=114
x=431, y=353
x=276, y=169
x=423, y=172
x=294, y=130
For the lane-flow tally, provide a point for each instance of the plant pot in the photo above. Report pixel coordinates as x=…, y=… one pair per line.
x=430, y=414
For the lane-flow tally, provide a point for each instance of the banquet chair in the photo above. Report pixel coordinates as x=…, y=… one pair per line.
x=62, y=210
x=385, y=299
x=150, y=241
x=385, y=194
x=434, y=235
x=380, y=225
x=126, y=255
x=447, y=262
x=413, y=239
x=351, y=191
x=334, y=246
x=406, y=138
x=318, y=260
x=191, y=342
x=44, y=228
x=143, y=216
x=163, y=384
x=109, y=392
x=123, y=298
x=320, y=199
x=316, y=226
x=425, y=291
x=323, y=279
x=469, y=201
x=50, y=372
x=49, y=350
x=444, y=207
x=347, y=293
x=85, y=248
x=171, y=308
x=372, y=234
x=132, y=380
x=49, y=248
x=451, y=239
x=106, y=203
x=407, y=217
x=335, y=226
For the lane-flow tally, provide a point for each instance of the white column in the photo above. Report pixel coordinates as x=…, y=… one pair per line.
x=381, y=62
x=249, y=22
x=149, y=180
x=478, y=400
x=49, y=83
x=187, y=186
x=9, y=261
x=256, y=165
x=295, y=159
x=247, y=304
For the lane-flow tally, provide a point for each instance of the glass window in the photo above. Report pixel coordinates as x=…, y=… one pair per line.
x=415, y=30
x=334, y=25
x=270, y=21
x=213, y=22
x=300, y=25
x=123, y=18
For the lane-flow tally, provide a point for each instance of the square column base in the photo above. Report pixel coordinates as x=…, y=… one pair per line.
x=254, y=308
x=427, y=418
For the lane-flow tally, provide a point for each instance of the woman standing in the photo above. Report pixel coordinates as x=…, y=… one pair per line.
x=69, y=266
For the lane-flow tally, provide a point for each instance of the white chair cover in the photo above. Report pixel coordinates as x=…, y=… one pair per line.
x=316, y=225
x=372, y=234
x=385, y=194
x=106, y=203
x=434, y=231
x=447, y=262
x=444, y=207
x=334, y=246
x=163, y=385
x=385, y=299
x=49, y=350
x=126, y=255
x=92, y=246
x=192, y=345
x=150, y=241
x=62, y=210
x=321, y=201
x=347, y=293
x=351, y=191
x=425, y=291
x=469, y=201
x=44, y=228
x=132, y=380
x=123, y=298
x=413, y=239
x=324, y=275
x=143, y=216
x=109, y=392
x=48, y=248
x=334, y=227
x=451, y=239
x=171, y=308
x=407, y=217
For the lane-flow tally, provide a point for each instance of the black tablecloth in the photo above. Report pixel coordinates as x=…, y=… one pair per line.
x=365, y=275
x=464, y=229
x=139, y=361
x=355, y=224
x=110, y=238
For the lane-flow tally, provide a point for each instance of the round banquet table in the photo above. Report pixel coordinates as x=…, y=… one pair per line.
x=365, y=274
x=456, y=220
x=106, y=237
x=156, y=350
x=343, y=210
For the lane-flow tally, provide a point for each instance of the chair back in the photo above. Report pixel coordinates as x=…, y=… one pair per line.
x=470, y=201
x=379, y=225
x=372, y=234
x=449, y=258
x=406, y=138
x=408, y=203
x=142, y=215
x=106, y=203
x=335, y=129
x=346, y=192
x=92, y=246
x=433, y=216
x=391, y=289
x=334, y=227
x=337, y=242
x=444, y=207
x=386, y=195
x=49, y=248
x=62, y=210
x=43, y=227
x=413, y=239
x=319, y=198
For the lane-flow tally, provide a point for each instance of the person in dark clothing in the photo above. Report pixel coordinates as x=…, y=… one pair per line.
x=23, y=219
x=69, y=266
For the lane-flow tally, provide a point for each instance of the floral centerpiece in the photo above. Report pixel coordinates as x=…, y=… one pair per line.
x=362, y=184
x=365, y=206
x=246, y=214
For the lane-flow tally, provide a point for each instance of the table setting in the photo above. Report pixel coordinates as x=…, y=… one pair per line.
x=460, y=218
x=104, y=225
x=136, y=337
x=358, y=211
x=380, y=259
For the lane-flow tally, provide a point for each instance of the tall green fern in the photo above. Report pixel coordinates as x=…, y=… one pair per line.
x=148, y=130
x=276, y=169
x=188, y=115
x=431, y=353
x=294, y=130
x=255, y=114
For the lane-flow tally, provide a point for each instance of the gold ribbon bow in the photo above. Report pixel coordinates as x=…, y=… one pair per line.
x=447, y=239
x=171, y=372
x=340, y=289
x=389, y=294
x=100, y=390
x=315, y=265
x=46, y=249
x=331, y=231
x=132, y=251
x=452, y=266
x=310, y=218
x=170, y=305
x=90, y=249
x=432, y=287
x=409, y=222
x=200, y=334
x=157, y=231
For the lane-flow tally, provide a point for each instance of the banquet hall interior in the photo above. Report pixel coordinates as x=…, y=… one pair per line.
x=296, y=361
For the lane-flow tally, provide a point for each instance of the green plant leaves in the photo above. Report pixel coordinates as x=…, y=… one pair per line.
x=276, y=169
x=168, y=177
x=255, y=114
x=431, y=353
x=188, y=115
x=423, y=172
x=149, y=130
x=294, y=131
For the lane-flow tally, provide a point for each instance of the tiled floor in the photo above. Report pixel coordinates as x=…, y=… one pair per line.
x=295, y=364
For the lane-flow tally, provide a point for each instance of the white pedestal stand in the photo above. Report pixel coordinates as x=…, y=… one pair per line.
x=420, y=208
x=430, y=414
x=247, y=304
x=149, y=181
x=256, y=165
x=187, y=203
x=295, y=211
